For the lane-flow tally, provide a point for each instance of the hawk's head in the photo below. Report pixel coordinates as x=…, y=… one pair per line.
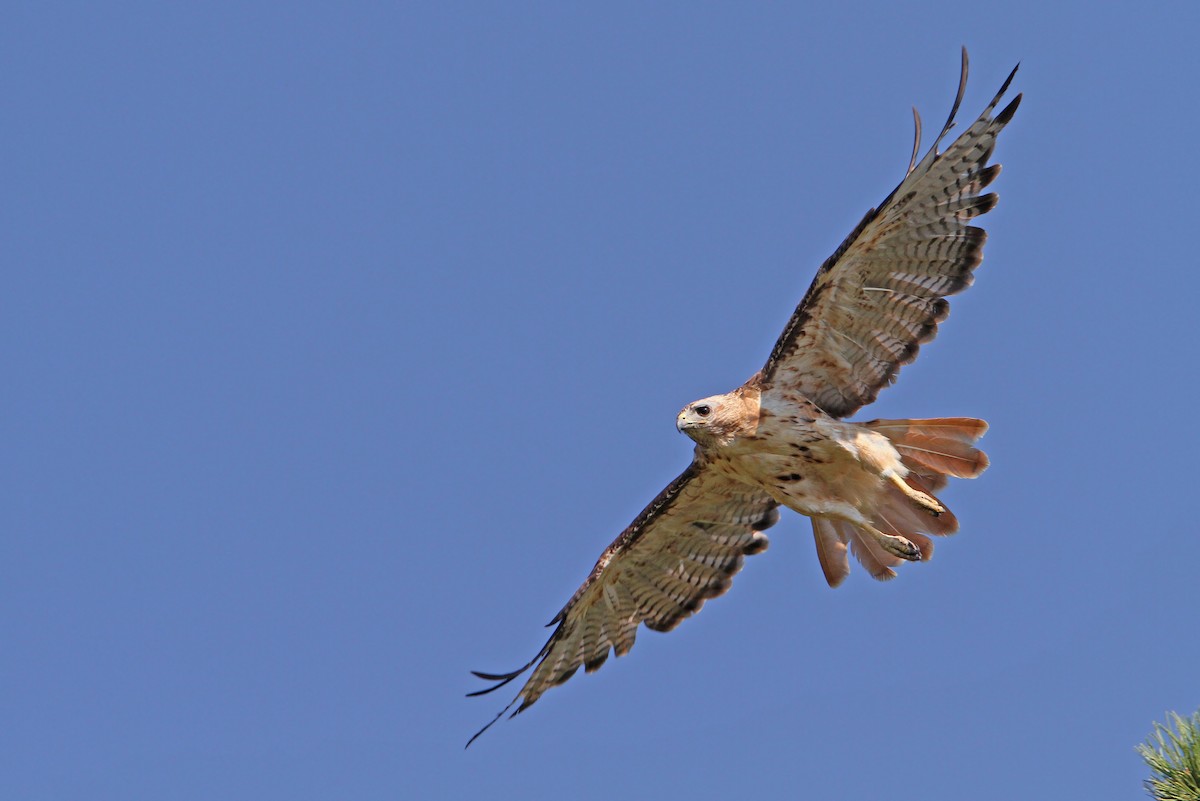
x=716, y=420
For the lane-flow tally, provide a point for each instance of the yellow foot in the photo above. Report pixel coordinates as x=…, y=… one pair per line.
x=897, y=546
x=924, y=501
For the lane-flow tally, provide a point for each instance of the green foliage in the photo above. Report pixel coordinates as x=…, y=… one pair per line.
x=1174, y=760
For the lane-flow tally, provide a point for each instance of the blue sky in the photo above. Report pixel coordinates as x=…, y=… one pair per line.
x=340, y=340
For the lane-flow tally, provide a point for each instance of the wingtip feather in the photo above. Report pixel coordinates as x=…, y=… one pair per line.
x=1008, y=111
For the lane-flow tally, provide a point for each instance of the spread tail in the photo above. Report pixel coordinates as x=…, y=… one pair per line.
x=933, y=450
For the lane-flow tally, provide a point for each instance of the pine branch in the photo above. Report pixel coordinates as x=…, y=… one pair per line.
x=1174, y=760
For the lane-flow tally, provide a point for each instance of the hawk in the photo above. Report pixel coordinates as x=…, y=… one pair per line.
x=781, y=438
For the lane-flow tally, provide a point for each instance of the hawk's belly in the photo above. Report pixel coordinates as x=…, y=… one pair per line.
x=823, y=468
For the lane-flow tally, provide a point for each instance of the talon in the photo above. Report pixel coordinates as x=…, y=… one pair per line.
x=908, y=550
x=899, y=546
x=926, y=502
x=929, y=504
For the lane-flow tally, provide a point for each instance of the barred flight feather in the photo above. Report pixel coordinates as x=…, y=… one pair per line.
x=917, y=242
x=658, y=572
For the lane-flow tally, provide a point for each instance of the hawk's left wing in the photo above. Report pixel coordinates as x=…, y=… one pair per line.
x=683, y=549
x=883, y=292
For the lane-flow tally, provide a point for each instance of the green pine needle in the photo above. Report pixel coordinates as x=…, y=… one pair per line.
x=1174, y=760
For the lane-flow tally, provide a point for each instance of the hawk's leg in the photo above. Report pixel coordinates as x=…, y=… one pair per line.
x=897, y=546
x=920, y=499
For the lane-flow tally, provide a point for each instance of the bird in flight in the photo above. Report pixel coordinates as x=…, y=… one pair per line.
x=781, y=438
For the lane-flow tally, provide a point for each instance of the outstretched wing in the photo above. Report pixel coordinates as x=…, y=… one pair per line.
x=883, y=291
x=683, y=549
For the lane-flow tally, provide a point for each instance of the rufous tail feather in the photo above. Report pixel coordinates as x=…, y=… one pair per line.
x=933, y=450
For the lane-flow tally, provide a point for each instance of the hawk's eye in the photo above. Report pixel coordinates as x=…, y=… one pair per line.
x=703, y=411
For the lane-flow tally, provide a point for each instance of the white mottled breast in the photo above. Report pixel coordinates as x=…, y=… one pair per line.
x=809, y=461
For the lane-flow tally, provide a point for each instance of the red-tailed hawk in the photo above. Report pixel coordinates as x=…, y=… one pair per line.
x=780, y=440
